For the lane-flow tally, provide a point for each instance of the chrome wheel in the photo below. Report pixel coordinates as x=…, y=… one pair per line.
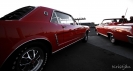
x=85, y=39
x=29, y=57
x=112, y=39
x=31, y=60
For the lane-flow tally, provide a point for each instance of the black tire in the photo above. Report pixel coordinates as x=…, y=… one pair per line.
x=112, y=39
x=31, y=57
x=85, y=39
x=97, y=33
x=95, y=29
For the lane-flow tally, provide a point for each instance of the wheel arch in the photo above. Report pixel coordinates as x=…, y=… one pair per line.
x=109, y=33
x=41, y=40
x=87, y=32
x=95, y=29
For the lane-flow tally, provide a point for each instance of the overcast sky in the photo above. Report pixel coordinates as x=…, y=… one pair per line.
x=92, y=10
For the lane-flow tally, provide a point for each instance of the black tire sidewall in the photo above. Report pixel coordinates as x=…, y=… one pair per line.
x=13, y=66
x=97, y=33
x=84, y=39
x=112, y=37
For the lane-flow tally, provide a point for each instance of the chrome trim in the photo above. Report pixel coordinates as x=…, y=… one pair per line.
x=130, y=36
x=110, y=33
x=51, y=16
x=103, y=34
x=55, y=15
x=56, y=39
x=66, y=46
x=67, y=41
x=20, y=46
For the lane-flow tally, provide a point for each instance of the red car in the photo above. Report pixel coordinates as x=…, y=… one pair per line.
x=115, y=30
x=30, y=34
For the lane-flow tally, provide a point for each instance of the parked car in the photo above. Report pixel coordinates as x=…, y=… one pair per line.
x=30, y=34
x=115, y=30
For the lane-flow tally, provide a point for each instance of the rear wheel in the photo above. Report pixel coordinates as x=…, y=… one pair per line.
x=112, y=39
x=30, y=57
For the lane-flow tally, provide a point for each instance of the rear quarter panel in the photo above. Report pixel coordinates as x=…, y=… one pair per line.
x=15, y=33
x=120, y=32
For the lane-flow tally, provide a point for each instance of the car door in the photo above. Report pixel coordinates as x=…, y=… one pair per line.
x=100, y=28
x=68, y=26
x=80, y=31
x=106, y=25
x=59, y=32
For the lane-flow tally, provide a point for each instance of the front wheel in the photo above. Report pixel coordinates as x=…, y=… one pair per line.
x=85, y=39
x=97, y=33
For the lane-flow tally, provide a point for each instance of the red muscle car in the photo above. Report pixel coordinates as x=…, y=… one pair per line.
x=30, y=34
x=115, y=30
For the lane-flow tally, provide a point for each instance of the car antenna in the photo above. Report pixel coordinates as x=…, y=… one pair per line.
x=126, y=12
x=125, y=15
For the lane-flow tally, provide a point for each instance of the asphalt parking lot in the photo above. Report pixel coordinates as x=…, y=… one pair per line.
x=98, y=54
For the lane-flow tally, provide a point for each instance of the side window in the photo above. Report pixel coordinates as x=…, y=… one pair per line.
x=65, y=18
x=18, y=14
x=54, y=18
x=106, y=22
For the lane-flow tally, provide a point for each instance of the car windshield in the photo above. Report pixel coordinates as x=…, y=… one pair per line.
x=18, y=14
x=108, y=21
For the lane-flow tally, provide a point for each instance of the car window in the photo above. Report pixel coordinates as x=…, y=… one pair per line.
x=54, y=18
x=106, y=22
x=64, y=18
x=18, y=14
